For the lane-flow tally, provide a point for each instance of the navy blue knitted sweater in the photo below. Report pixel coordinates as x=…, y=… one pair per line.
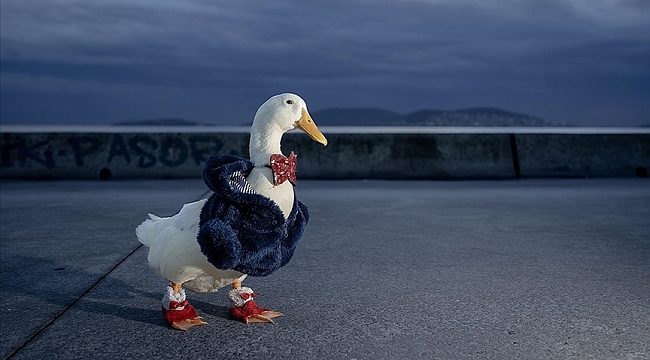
x=243, y=231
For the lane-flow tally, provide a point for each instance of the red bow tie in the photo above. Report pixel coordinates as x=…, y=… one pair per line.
x=284, y=168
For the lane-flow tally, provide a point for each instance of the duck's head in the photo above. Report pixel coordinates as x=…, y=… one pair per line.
x=285, y=112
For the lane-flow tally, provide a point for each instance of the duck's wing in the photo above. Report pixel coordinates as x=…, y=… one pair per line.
x=188, y=218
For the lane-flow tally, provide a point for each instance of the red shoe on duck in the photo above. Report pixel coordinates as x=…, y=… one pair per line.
x=177, y=311
x=246, y=309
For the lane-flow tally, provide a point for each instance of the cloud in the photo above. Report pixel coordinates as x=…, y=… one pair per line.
x=435, y=53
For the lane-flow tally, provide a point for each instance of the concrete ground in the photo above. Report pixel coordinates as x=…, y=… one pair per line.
x=527, y=269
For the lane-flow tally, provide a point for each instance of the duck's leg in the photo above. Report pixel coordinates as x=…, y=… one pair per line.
x=177, y=311
x=245, y=308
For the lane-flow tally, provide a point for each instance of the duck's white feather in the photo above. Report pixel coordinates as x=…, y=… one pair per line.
x=175, y=254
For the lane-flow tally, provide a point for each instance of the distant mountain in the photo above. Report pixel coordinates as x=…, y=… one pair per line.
x=160, y=122
x=484, y=116
x=480, y=116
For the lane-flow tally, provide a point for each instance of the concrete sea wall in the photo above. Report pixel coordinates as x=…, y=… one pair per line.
x=352, y=153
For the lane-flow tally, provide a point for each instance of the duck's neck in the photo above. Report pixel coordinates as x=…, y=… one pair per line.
x=265, y=141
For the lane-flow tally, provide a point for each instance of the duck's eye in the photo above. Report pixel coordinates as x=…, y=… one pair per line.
x=289, y=102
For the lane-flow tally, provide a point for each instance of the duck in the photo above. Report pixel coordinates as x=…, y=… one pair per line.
x=249, y=226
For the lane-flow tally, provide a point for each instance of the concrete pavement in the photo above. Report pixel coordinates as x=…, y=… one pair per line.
x=512, y=269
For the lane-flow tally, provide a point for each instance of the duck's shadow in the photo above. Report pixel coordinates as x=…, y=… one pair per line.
x=111, y=296
x=147, y=316
x=211, y=309
x=152, y=315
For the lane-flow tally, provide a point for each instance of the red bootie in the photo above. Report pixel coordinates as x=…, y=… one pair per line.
x=178, y=312
x=246, y=309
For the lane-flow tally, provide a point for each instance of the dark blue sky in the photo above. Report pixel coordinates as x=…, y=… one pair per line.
x=584, y=62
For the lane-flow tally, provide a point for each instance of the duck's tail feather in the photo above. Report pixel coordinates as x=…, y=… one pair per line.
x=149, y=229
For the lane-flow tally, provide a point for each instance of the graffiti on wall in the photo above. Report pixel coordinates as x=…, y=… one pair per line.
x=139, y=150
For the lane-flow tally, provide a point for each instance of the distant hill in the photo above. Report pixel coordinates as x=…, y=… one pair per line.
x=160, y=122
x=484, y=116
x=480, y=116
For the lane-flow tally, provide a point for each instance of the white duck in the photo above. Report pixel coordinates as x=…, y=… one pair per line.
x=173, y=249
